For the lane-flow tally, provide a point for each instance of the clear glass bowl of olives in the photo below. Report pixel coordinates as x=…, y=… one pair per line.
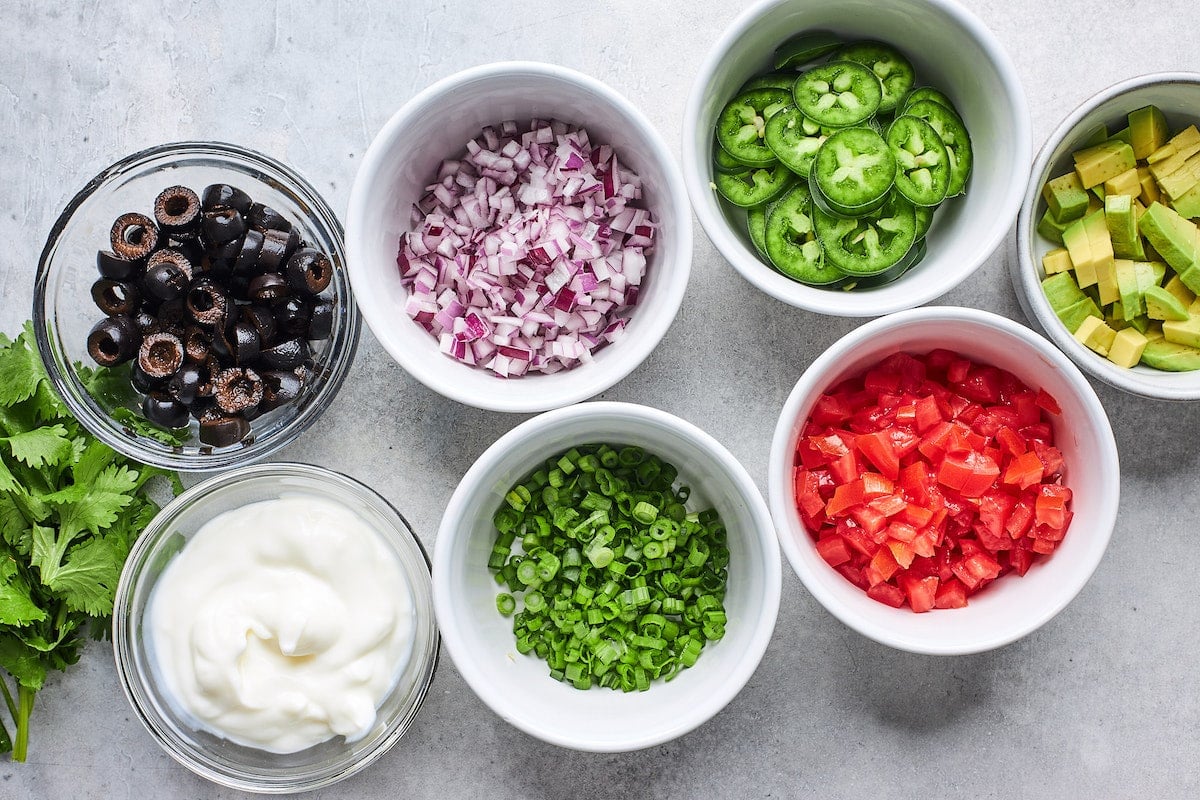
x=192, y=306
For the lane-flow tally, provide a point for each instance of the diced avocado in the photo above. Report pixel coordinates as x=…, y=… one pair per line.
x=1127, y=347
x=1154, y=332
x=1188, y=205
x=1161, y=304
x=1056, y=260
x=1062, y=291
x=1182, y=293
x=1130, y=291
x=1122, y=227
x=1125, y=183
x=1181, y=146
x=1097, y=164
x=1172, y=236
x=1123, y=135
x=1147, y=130
x=1098, y=136
x=1140, y=323
x=1098, y=191
x=1106, y=282
x=1170, y=357
x=1194, y=308
x=1074, y=315
x=1149, y=273
x=1185, y=331
x=1149, y=192
x=1095, y=334
x=1100, y=248
x=1050, y=228
x=1065, y=197
x=1180, y=181
x=1079, y=247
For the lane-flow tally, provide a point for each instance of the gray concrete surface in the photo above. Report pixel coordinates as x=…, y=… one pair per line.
x=1101, y=702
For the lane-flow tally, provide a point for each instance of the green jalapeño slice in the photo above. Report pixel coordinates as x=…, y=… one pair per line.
x=838, y=94
x=805, y=47
x=754, y=186
x=894, y=71
x=868, y=245
x=792, y=244
x=923, y=161
x=854, y=170
x=953, y=133
x=743, y=124
x=794, y=139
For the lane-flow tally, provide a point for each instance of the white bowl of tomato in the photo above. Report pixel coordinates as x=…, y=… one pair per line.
x=943, y=480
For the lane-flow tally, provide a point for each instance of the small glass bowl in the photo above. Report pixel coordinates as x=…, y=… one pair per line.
x=222, y=761
x=63, y=311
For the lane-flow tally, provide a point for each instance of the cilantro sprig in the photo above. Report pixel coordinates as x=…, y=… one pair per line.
x=70, y=509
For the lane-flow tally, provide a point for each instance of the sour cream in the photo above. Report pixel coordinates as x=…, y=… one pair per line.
x=282, y=624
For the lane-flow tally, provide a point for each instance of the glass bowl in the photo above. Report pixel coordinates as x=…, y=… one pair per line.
x=63, y=311
x=222, y=761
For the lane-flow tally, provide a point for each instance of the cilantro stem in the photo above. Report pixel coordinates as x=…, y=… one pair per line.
x=25, y=697
x=8, y=700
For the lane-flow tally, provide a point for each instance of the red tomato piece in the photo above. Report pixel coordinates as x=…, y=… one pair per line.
x=845, y=497
x=881, y=380
x=889, y=506
x=857, y=538
x=808, y=494
x=830, y=445
x=1024, y=471
x=1011, y=441
x=887, y=594
x=926, y=413
x=1020, y=560
x=1047, y=401
x=956, y=370
x=902, y=552
x=831, y=409
x=950, y=594
x=915, y=515
x=921, y=592
x=833, y=549
x=1052, y=459
x=877, y=448
x=1051, y=505
x=853, y=574
x=875, y=485
x=844, y=469
x=970, y=473
x=981, y=384
x=883, y=566
x=869, y=519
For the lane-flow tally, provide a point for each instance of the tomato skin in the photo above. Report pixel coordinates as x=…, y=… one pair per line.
x=887, y=594
x=834, y=550
x=921, y=592
x=879, y=450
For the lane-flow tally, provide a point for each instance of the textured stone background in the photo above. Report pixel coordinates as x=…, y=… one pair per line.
x=1100, y=702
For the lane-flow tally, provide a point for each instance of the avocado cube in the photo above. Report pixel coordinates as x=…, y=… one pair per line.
x=1128, y=288
x=1050, y=228
x=1140, y=323
x=1182, y=180
x=1181, y=146
x=1127, y=348
x=1149, y=191
x=1182, y=293
x=1062, y=291
x=1073, y=316
x=1094, y=333
x=1125, y=183
x=1097, y=164
x=1170, y=357
x=1106, y=282
x=1154, y=332
x=1188, y=204
x=1122, y=227
x=1162, y=305
x=1185, y=331
x=1147, y=130
x=1065, y=197
x=1057, y=260
x=1172, y=236
x=1123, y=135
x=1078, y=243
x=1100, y=248
x=1098, y=136
x=1149, y=273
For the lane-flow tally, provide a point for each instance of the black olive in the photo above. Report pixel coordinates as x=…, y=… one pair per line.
x=177, y=211
x=280, y=388
x=223, y=431
x=185, y=384
x=222, y=195
x=291, y=316
x=309, y=271
x=172, y=256
x=193, y=251
x=265, y=218
x=246, y=262
x=269, y=286
x=160, y=355
x=196, y=345
x=113, y=340
x=320, y=321
x=173, y=316
x=115, y=297
x=245, y=343
x=133, y=236
x=162, y=409
x=292, y=245
x=223, y=225
x=198, y=407
x=263, y=321
x=113, y=267
x=166, y=280
x=288, y=354
x=274, y=252
x=237, y=390
x=141, y=382
x=146, y=322
x=207, y=303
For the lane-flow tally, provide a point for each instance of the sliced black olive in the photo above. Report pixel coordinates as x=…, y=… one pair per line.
x=160, y=355
x=265, y=218
x=113, y=267
x=244, y=343
x=223, y=431
x=280, y=388
x=166, y=280
x=173, y=256
x=177, y=211
x=237, y=390
x=196, y=345
x=133, y=236
x=288, y=354
x=185, y=384
x=207, y=303
x=222, y=195
x=141, y=382
x=193, y=251
x=320, y=321
x=263, y=321
x=146, y=322
x=309, y=271
x=223, y=225
x=274, y=252
x=173, y=316
x=162, y=409
x=269, y=286
x=116, y=297
x=291, y=316
x=200, y=406
x=246, y=262
x=113, y=340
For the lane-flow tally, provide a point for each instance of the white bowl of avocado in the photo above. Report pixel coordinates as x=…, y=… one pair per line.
x=1108, y=245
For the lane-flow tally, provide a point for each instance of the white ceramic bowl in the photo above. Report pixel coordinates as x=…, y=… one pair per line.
x=436, y=125
x=1178, y=95
x=1012, y=606
x=950, y=49
x=519, y=688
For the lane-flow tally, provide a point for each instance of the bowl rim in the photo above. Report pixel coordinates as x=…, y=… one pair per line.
x=445, y=602
x=818, y=299
x=157, y=534
x=1025, y=272
x=98, y=423
x=805, y=561
x=569, y=388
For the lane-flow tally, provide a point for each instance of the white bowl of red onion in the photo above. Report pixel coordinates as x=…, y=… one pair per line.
x=518, y=237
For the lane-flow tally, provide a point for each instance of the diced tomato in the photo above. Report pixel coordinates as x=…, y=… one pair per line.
x=924, y=544
x=916, y=482
x=1020, y=560
x=859, y=539
x=901, y=532
x=875, y=485
x=877, y=448
x=915, y=515
x=808, y=455
x=1025, y=470
x=1011, y=441
x=970, y=473
x=981, y=385
x=845, y=497
x=889, y=506
x=1051, y=506
x=887, y=594
x=831, y=409
x=869, y=519
x=902, y=552
x=880, y=381
x=921, y=592
x=853, y=574
x=956, y=370
x=883, y=566
x=844, y=469
x=951, y=594
x=994, y=508
x=808, y=493
x=1047, y=401
x=1051, y=457
x=830, y=445
x=834, y=549
x=926, y=414
x=1019, y=519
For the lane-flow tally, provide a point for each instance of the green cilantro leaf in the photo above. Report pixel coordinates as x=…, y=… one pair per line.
x=22, y=662
x=87, y=580
x=40, y=446
x=93, y=507
x=20, y=371
x=16, y=604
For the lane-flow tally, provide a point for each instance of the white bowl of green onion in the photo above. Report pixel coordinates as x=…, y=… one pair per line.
x=606, y=577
